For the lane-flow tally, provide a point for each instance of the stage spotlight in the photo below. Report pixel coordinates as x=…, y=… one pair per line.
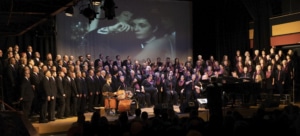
x=109, y=8
x=96, y=2
x=69, y=11
x=88, y=13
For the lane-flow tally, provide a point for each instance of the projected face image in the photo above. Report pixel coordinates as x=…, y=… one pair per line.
x=150, y=30
x=142, y=28
x=124, y=16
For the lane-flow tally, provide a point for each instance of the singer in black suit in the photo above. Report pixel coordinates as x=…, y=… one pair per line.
x=27, y=93
x=90, y=89
x=45, y=97
x=190, y=87
x=84, y=92
x=52, y=95
x=80, y=85
x=97, y=83
x=102, y=82
x=68, y=90
x=60, y=98
x=74, y=95
x=279, y=79
x=171, y=95
x=148, y=86
x=35, y=79
x=11, y=81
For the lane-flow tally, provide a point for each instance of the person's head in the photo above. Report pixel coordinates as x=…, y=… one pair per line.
x=122, y=78
x=269, y=67
x=279, y=67
x=138, y=112
x=88, y=56
x=37, y=55
x=12, y=60
x=124, y=16
x=144, y=115
x=288, y=57
x=27, y=73
x=238, y=52
x=194, y=76
x=49, y=56
x=80, y=117
x=108, y=78
x=182, y=77
x=263, y=52
x=277, y=57
x=98, y=73
x=149, y=77
x=245, y=69
x=290, y=52
x=35, y=69
x=10, y=54
x=213, y=79
x=103, y=73
x=272, y=50
x=256, y=52
x=61, y=73
x=53, y=74
x=91, y=72
x=48, y=73
x=78, y=74
x=31, y=62
x=145, y=25
x=258, y=67
x=16, y=48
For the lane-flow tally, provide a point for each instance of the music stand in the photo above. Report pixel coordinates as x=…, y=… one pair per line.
x=2, y=108
x=202, y=102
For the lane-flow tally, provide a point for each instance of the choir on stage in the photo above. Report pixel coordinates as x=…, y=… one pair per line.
x=61, y=86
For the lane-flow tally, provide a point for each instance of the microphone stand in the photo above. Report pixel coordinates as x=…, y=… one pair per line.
x=293, y=89
x=109, y=109
x=2, y=108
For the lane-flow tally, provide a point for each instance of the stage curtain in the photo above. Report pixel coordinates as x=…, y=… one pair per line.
x=42, y=39
x=232, y=29
x=224, y=27
x=260, y=11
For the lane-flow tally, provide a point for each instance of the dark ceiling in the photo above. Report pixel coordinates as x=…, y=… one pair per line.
x=19, y=16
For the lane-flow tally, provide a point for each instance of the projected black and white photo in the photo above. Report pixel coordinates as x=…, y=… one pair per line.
x=140, y=29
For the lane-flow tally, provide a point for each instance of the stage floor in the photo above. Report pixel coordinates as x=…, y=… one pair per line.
x=60, y=126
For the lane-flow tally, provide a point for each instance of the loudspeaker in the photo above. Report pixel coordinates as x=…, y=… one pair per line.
x=271, y=103
x=161, y=108
x=14, y=123
x=133, y=106
x=188, y=106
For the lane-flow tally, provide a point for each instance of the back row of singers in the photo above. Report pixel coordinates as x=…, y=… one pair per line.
x=270, y=81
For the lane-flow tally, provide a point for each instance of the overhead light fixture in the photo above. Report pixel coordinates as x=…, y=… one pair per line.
x=96, y=2
x=109, y=8
x=89, y=13
x=69, y=11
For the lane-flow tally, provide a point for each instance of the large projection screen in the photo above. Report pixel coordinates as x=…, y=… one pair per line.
x=140, y=29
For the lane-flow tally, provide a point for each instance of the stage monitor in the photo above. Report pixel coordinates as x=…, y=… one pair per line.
x=140, y=29
x=202, y=100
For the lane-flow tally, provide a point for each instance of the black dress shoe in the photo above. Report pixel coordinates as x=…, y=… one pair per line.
x=43, y=121
x=52, y=119
x=61, y=117
x=91, y=110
